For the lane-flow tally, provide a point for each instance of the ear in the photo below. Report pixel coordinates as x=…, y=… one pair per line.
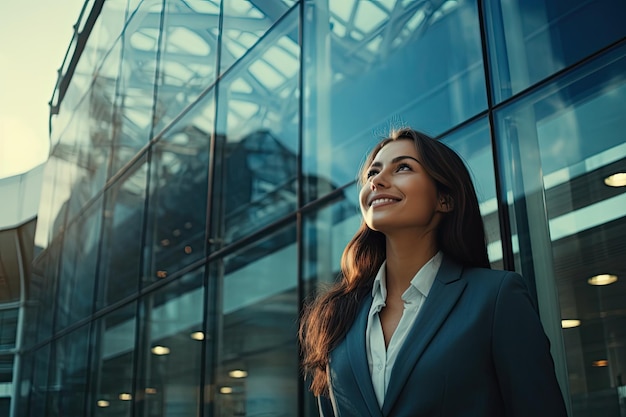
x=446, y=203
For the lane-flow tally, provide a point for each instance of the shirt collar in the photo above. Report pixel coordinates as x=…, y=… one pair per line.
x=422, y=281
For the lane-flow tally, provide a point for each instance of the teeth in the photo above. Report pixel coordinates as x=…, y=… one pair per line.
x=381, y=201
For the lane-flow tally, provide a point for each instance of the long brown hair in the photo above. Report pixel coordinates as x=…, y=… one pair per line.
x=460, y=236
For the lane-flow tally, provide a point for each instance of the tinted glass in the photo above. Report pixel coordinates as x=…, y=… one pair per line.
x=530, y=40
x=567, y=154
x=257, y=134
x=372, y=66
x=255, y=371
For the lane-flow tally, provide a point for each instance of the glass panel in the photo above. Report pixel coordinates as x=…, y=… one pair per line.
x=133, y=115
x=78, y=267
x=24, y=384
x=530, y=40
x=120, y=257
x=564, y=144
x=112, y=364
x=44, y=293
x=188, y=57
x=170, y=371
x=256, y=363
x=39, y=391
x=6, y=368
x=244, y=22
x=67, y=380
x=473, y=144
x=369, y=67
x=8, y=328
x=257, y=134
x=179, y=187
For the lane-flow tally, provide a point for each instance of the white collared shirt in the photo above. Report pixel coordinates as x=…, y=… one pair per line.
x=381, y=360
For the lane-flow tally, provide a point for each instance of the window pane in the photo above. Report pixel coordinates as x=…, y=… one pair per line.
x=188, y=57
x=473, y=144
x=170, y=364
x=563, y=143
x=370, y=67
x=39, y=389
x=120, y=268
x=257, y=134
x=256, y=372
x=112, y=364
x=530, y=40
x=179, y=188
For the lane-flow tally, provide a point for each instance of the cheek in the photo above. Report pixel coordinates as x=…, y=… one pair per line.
x=363, y=194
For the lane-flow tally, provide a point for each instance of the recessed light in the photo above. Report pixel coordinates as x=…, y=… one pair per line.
x=102, y=403
x=160, y=350
x=150, y=390
x=602, y=279
x=601, y=363
x=226, y=390
x=238, y=373
x=197, y=336
x=125, y=396
x=616, y=180
x=569, y=323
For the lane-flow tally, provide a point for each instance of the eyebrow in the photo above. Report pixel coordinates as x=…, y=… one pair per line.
x=394, y=160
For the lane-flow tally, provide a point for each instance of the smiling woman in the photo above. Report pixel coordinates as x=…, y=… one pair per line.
x=20, y=148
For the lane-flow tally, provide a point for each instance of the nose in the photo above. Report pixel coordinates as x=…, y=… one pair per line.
x=378, y=181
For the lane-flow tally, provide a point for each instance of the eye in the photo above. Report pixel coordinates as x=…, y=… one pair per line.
x=371, y=173
x=404, y=167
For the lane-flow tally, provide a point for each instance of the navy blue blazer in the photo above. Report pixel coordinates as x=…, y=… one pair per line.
x=477, y=349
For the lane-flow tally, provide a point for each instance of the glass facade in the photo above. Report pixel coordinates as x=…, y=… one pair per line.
x=201, y=186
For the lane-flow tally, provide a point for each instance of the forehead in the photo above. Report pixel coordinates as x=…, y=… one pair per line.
x=402, y=147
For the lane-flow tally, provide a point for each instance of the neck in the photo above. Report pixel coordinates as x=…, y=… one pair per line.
x=406, y=255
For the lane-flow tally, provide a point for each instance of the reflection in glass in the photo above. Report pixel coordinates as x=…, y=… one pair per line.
x=170, y=359
x=256, y=371
x=120, y=255
x=371, y=66
x=257, y=134
x=112, y=363
x=473, y=144
x=563, y=141
x=531, y=40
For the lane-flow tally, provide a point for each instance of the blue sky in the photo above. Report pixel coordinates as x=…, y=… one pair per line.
x=35, y=35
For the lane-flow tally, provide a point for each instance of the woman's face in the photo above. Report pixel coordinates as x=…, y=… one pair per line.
x=398, y=194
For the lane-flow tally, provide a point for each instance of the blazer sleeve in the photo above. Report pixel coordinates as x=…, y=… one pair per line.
x=521, y=353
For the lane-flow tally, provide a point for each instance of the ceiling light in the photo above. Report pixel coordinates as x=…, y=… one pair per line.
x=569, y=323
x=197, y=336
x=601, y=363
x=226, y=390
x=160, y=350
x=125, y=396
x=616, y=180
x=602, y=279
x=151, y=391
x=238, y=373
x=102, y=403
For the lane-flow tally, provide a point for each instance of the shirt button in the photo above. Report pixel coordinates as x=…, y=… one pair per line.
x=380, y=367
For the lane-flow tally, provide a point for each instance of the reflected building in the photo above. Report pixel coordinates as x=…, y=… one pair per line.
x=201, y=185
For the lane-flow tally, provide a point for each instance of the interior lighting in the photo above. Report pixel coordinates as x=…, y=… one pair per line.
x=197, y=336
x=570, y=323
x=600, y=363
x=151, y=391
x=125, y=396
x=161, y=274
x=226, y=390
x=160, y=350
x=176, y=232
x=102, y=403
x=616, y=180
x=165, y=242
x=602, y=279
x=188, y=250
x=238, y=373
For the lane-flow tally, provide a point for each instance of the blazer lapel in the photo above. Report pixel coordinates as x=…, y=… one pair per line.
x=355, y=340
x=446, y=290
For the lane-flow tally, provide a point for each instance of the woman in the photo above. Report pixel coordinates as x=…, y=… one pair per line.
x=418, y=324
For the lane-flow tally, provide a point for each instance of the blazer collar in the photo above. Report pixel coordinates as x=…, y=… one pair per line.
x=445, y=292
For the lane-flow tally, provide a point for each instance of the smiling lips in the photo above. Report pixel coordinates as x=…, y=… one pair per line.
x=378, y=201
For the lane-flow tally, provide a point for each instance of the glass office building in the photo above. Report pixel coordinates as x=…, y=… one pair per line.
x=201, y=185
